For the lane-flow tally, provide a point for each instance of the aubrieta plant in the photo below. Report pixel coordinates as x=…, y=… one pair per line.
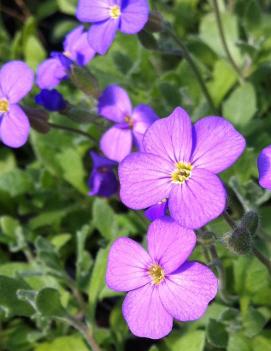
x=188, y=181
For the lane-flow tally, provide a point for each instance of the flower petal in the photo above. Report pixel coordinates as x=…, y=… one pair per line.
x=127, y=265
x=93, y=10
x=144, y=179
x=101, y=161
x=187, y=293
x=156, y=211
x=169, y=244
x=134, y=16
x=114, y=104
x=102, y=183
x=145, y=314
x=102, y=34
x=218, y=144
x=264, y=167
x=50, y=73
x=198, y=201
x=170, y=137
x=14, y=127
x=116, y=143
x=16, y=81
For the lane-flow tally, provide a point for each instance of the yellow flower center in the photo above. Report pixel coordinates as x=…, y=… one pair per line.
x=67, y=54
x=4, y=106
x=115, y=12
x=129, y=121
x=182, y=172
x=157, y=274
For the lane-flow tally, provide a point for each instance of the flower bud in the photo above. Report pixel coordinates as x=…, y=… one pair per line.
x=155, y=23
x=147, y=40
x=84, y=81
x=239, y=241
x=251, y=222
x=79, y=115
x=38, y=119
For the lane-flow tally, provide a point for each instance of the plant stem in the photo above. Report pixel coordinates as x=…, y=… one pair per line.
x=224, y=41
x=229, y=220
x=71, y=130
x=193, y=66
x=265, y=261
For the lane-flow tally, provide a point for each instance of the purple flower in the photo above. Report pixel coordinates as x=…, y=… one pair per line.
x=109, y=16
x=131, y=124
x=16, y=81
x=55, y=69
x=52, y=100
x=161, y=284
x=180, y=163
x=157, y=211
x=102, y=181
x=264, y=168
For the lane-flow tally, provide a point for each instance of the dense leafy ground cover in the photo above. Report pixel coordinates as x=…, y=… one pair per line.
x=55, y=239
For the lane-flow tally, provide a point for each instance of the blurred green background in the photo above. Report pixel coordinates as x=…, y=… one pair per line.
x=52, y=235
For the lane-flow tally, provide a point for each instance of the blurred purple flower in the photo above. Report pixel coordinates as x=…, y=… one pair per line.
x=180, y=163
x=157, y=211
x=16, y=81
x=102, y=181
x=161, y=284
x=264, y=168
x=109, y=16
x=131, y=124
x=55, y=69
x=52, y=100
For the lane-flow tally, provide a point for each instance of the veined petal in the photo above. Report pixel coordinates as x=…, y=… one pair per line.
x=144, y=179
x=264, y=167
x=170, y=137
x=134, y=16
x=114, y=104
x=16, y=81
x=156, y=211
x=116, y=143
x=93, y=10
x=127, y=267
x=186, y=293
x=199, y=200
x=102, y=34
x=169, y=244
x=217, y=144
x=50, y=73
x=145, y=313
x=14, y=127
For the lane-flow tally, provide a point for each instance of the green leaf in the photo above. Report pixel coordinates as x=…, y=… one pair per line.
x=217, y=334
x=262, y=342
x=241, y=105
x=15, y=182
x=192, y=341
x=48, y=303
x=238, y=342
x=104, y=218
x=65, y=343
x=253, y=322
x=34, y=51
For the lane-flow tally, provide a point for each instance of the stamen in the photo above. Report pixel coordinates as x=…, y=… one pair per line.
x=157, y=273
x=182, y=172
x=67, y=54
x=115, y=12
x=129, y=121
x=4, y=106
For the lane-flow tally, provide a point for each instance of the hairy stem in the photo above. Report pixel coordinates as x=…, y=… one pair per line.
x=224, y=41
x=71, y=130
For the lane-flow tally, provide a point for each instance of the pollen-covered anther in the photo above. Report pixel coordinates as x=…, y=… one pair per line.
x=157, y=274
x=67, y=54
x=4, y=106
x=182, y=172
x=129, y=121
x=115, y=12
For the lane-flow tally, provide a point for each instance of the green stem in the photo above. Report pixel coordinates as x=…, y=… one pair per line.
x=224, y=42
x=265, y=261
x=193, y=66
x=71, y=130
x=229, y=220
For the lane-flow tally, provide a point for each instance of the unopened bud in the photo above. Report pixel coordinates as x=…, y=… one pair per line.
x=148, y=40
x=251, y=222
x=38, y=119
x=155, y=23
x=85, y=81
x=239, y=241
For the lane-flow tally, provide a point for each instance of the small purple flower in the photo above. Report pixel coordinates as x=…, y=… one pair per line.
x=102, y=181
x=131, y=124
x=57, y=68
x=52, y=100
x=180, y=163
x=161, y=284
x=109, y=16
x=157, y=211
x=264, y=168
x=16, y=81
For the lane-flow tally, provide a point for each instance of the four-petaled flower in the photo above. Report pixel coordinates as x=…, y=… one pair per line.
x=109, y=16
x=131, y=124
x=180, y=163
x=161, y=284
x=16, y=81
x=264, y=167
x=102, y=180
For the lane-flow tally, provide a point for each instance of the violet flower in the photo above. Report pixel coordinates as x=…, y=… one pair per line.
x=157, y=211
x=180, y=163
x=51, y=100
x=102, y=181
x=57, y=68
x=264, y=168
x=161, y=284
x=109, y=16
x=131, y=124
x=16, y=81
